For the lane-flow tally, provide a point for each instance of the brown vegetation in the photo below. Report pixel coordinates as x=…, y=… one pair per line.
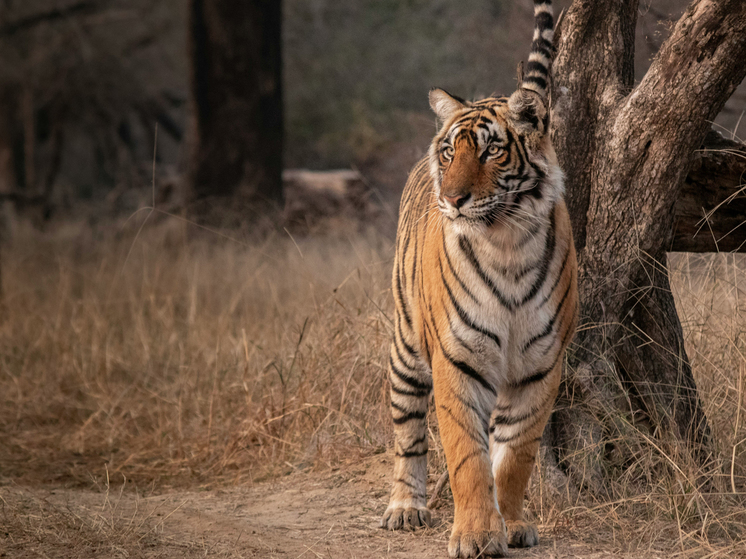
x=181, y=359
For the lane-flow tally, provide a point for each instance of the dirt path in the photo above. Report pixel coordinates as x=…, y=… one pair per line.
x=330, y=516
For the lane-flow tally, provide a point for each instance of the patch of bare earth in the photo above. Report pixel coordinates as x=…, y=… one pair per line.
x=304, y=515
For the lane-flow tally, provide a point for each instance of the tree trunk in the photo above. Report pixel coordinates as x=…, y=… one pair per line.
x=626, y=152
x=237, y=97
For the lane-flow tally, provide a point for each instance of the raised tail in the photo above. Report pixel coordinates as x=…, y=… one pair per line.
x=542, y=49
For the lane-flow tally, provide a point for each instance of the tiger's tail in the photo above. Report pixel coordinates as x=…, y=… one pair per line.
x=542, y=49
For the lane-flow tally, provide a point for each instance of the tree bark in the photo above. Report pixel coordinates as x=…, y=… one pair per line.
x=626, y=152
x=237, y=101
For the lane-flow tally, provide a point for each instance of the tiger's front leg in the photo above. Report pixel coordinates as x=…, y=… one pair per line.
x=478, y=526
x=410, y=392
x=515, y=429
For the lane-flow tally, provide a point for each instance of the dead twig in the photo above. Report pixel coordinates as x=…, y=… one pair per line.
x=438, y=488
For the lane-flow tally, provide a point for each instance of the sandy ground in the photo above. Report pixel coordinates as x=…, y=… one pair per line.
x=331, y=516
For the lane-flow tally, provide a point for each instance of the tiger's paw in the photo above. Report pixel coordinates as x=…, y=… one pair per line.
x=488, y=539
x=522, y=534
x=400, y=518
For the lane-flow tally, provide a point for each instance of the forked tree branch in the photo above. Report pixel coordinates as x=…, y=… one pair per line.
x=695, y=72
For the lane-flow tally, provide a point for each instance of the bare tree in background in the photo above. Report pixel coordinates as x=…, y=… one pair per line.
x=237, y=92
x=638, y=186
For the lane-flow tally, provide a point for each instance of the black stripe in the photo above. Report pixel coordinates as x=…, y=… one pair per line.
x=462, y=342
x=557, y=314
x=506, y=420
x=469, y=432
x=460, y=365
x=466, y=319
x=401, y=263
x=408, y=348
x=416, y=393
x=542, y=83
x=536, y=377
x=464, y=459
x=465, y=246
x=550, y=325
x=468, y=404
x=405, y=482
x=399, y=408
x=484, y=417
x=539, y=376
x=400, y=337
x=421, y=440
x=409, y=417
x=556, y=282
x=400, y=357
x=518, y=434
x=546, y=259
x=413, y=382
x=541, y=42
x=544, y=21
x=412, y=454
x=454, y=274
x=530, y=234
x=427, y=342
x=503, y=407
x=517, y=275
x=536, y=66
x=521, y=155
x=402, y=304
x=542, y=50
x=468, y=371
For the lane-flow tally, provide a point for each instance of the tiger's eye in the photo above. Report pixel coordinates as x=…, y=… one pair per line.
x=494, y=149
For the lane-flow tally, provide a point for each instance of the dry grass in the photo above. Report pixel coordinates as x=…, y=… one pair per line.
x=183, y=359
x=664, y=501
x=189, y=360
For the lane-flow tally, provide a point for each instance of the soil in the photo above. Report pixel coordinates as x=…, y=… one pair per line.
x=333, y=515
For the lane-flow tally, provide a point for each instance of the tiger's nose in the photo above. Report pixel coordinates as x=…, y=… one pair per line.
x=458, y=200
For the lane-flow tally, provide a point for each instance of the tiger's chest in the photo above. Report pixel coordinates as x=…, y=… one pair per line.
x=488, y=303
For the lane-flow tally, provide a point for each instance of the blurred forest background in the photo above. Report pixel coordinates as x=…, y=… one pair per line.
x=83, y=84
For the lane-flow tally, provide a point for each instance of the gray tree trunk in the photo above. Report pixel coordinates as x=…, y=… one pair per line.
x=626, y=151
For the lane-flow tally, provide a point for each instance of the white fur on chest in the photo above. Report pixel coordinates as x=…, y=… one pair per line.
x=513, y=274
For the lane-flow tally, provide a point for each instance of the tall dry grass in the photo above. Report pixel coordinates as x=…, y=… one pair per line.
x=664, y=501
x=175, y=357
x=187, y=358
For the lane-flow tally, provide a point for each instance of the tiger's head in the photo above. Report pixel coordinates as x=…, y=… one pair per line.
x=492, y=162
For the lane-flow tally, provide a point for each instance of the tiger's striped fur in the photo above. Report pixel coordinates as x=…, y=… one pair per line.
x=486, y=302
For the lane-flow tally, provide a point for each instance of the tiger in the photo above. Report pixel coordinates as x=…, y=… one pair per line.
x=485, y=290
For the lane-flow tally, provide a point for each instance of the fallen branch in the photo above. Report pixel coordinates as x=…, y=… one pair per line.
x=438, y=488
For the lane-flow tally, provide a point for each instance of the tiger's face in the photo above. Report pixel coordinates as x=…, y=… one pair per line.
x=491, y=160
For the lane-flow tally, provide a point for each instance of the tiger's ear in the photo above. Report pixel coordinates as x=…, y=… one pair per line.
x=529, y=111
x=444, y=104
